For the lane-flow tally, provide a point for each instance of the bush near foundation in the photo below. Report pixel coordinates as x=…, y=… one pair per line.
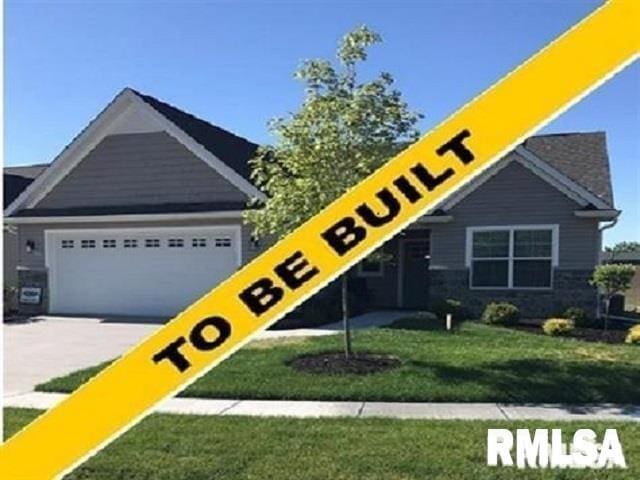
x=501, y=313
x=558, y=327
x=443, y=307
x=579, y=317
x=633, y=335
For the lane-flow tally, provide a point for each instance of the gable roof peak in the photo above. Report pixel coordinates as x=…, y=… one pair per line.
x=232, y=149
x=581, y=156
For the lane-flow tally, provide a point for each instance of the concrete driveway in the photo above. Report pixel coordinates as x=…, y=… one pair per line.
x=48, y=347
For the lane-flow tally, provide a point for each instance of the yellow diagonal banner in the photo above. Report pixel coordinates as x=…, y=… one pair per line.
x=361, y=220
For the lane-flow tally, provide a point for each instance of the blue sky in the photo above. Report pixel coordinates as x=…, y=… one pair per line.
x=232, y=62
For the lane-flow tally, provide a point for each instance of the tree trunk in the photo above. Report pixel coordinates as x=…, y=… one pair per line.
x=345, y=316
x=607, y=303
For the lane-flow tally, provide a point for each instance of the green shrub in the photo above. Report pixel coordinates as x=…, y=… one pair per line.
x=557, y=327
x=633, y=335
x=501, y=313
x=579, y=317
x=441, y=308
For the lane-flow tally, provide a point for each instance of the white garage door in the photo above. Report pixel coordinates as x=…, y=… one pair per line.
x=150, y=272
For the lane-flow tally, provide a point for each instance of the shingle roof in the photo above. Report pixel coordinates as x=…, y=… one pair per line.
x=233, y=150
x=27, y=171
x=580, y=156
x=16, y=179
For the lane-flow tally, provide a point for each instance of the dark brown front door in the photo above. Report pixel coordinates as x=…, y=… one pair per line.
x=415, y=273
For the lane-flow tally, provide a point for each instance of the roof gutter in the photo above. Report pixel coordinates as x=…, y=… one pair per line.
x=612, y=223
x=602, y=214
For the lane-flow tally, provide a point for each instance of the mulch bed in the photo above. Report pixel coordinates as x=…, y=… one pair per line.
x=586, y=334
x=335, y=362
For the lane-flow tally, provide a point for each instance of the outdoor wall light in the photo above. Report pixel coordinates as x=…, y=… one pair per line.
x=30, y=246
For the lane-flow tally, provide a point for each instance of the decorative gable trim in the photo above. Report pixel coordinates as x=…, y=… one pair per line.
x=199, y=151
x=537, y=166
x=126, y=107
x=558, y=179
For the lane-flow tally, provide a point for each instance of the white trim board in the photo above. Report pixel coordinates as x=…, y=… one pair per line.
x=539, y=167
x=429, y=219
x=123, y=107
x=143, y=217
x=558, y=179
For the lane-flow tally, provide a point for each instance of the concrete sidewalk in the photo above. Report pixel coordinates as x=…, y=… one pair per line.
x=312, y=409
x=375, y=319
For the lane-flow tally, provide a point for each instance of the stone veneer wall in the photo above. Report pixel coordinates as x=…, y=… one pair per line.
x=570, y=289
x=34, y=278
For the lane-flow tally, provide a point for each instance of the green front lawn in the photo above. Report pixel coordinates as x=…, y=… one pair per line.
x=175, y=447
x=477, y=364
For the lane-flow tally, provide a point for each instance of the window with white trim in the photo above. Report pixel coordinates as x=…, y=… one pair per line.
x=109, y=243
x=152, y=243
x=176, y=243
x=67, y=243
x=512, y=257
x=130, y=243
x=88, y=244
x=370, y=267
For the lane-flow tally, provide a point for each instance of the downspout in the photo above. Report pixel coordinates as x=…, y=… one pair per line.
x=610, y=224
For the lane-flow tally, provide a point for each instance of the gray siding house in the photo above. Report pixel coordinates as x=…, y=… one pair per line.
x=15, y=180
x=142, y=213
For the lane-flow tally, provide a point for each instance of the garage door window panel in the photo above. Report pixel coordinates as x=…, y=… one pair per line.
x=150, y=280
x=223, y=242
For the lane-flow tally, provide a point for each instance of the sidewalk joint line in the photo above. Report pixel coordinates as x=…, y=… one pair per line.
x=225, y=410
x=360, y=409
x=503, y=411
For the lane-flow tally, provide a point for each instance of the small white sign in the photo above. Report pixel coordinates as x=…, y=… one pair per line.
x=546, y=449
x=30, y=295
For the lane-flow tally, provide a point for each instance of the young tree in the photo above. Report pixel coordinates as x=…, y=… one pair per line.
x=612, y=279
x=343, y=131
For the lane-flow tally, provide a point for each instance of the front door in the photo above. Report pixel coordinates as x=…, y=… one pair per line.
x=415, y=273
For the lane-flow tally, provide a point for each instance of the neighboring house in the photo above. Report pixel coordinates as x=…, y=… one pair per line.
x=142, y=213
x=15, y=180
